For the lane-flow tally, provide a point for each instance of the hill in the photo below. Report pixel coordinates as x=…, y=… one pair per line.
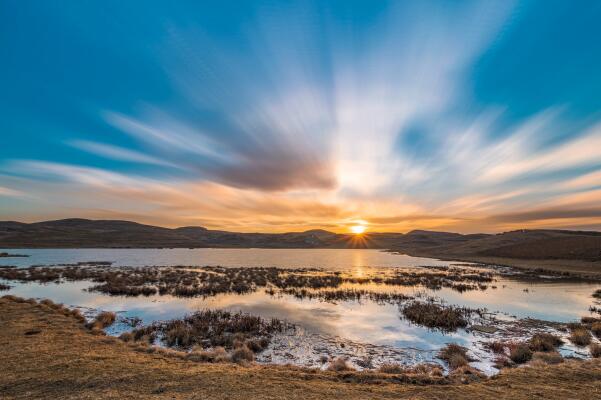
x=519, y=244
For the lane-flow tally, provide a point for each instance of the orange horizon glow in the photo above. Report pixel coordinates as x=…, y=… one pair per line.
x=358, y=229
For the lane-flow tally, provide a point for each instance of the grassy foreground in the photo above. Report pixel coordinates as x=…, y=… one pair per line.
x=49, y=354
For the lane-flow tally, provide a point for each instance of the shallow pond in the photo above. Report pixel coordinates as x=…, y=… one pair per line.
x=362, y=330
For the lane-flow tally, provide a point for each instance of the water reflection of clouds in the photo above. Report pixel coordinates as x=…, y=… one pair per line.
x=363, y=321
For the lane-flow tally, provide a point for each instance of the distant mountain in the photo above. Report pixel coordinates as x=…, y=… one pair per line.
x=520, y=244
x=76, y=232
x=535, y=244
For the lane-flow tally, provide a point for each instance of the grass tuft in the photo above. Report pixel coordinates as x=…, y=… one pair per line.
x=102, y=320
x=432, y=315
x=340, y=364
x=595, y=350
x=551, y=357
x=455, y=355
x=596, y=329
x=580, y=336
x=544, y=342
x=520, y=353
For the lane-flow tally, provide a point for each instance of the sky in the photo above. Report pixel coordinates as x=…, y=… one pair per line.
x=274, y=116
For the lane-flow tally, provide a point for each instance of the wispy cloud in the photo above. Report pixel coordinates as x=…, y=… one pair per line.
x=118, y=153
x=376, y=120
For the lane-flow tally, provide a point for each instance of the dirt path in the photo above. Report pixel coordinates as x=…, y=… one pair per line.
x=48, y=355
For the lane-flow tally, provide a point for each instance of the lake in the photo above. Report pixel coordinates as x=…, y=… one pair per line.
x=363, y=329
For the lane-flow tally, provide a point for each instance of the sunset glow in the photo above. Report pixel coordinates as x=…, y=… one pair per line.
x=265, y=118
x=358, y=229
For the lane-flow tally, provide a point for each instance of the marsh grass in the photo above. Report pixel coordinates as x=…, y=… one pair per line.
x=455, y=355
x=544, y=342
x=580, y=336
x=595, y=350
x=215, y=328
x=340, y=364
x=184, y=281
x=550, y=357
x=335, y=295
x=103, y=320
x=596, y=329
x=496, y=347
x=423, y=369
x=520, y=353
x=437, y=316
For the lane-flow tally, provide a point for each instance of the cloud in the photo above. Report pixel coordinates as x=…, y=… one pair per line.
x=4, y=191
x=267, y=163
x=118, y=153
x=582, y=150
x=374, y=122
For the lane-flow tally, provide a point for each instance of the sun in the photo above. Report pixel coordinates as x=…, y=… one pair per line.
x=358, y=229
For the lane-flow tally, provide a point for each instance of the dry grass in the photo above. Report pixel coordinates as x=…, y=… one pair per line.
x=65, y=361
x=211, y=328
x=520, y=353
x=391, y=368
x=552, y=357
x=102, y=320
x=437, y=316
x=595, y=350
x=340, y=364
x=596, y=329
x=496, y=347
x=455, y=355
x=544, y=342
x=580, y=336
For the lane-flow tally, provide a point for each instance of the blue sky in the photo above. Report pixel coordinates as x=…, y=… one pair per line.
x=276, y=116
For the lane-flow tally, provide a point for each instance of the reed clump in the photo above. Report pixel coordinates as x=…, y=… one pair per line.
x=544, y=342
x=580, y=336
x=340, y=364
x=595, y=350
x=520, y=353
x=437, y=316
x=213, y=329
x=103, y=320
x=455, y=355
x=550, y=357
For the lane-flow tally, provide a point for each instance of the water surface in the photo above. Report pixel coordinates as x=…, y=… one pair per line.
x=354, y=328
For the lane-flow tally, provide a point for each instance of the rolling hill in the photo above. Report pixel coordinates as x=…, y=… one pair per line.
x=519, y=244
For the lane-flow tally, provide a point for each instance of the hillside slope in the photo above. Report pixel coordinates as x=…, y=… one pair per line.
x=520, y=244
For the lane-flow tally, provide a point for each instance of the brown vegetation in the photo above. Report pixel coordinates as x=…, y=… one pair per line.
x=580, y=336
x=455, y=355
x=551, y=357
x=212, y=328
x=437, y=316
x=496, y=347
x=65, y=361
x=595, y=350
x=103, y=320
x=520, y=353
x=340, y=364
x=544, y=342
x=209, y=281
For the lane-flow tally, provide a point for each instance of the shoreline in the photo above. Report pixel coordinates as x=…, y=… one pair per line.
x=49, y=354
x=590, y=270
